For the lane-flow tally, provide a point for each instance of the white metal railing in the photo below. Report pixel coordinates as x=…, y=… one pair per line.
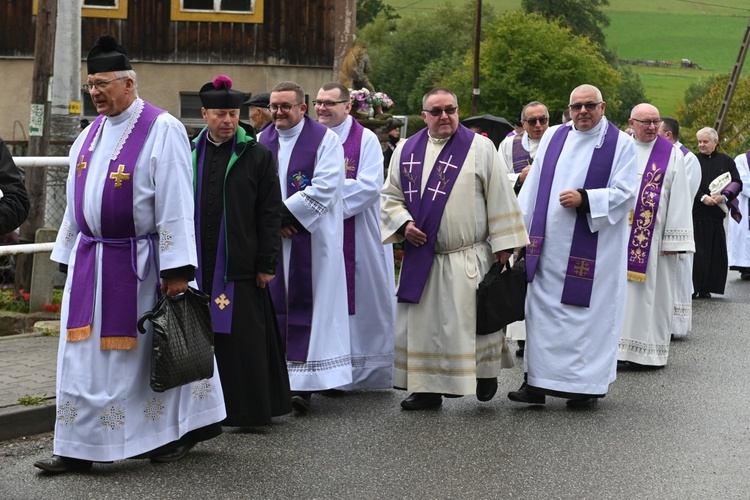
x=26, y=248
x=40, y=161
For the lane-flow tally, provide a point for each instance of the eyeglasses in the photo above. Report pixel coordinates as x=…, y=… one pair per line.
x=655, y=123
x=327, y=104
x=532, y=121
x=438, y=112
x=590, y=106
x=88, y=87
x=284, y=108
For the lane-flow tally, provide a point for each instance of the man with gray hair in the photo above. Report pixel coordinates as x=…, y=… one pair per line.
x=660, y=228
x=517, y=152
x=717, y=194
x=128, y=225
x=575, y=202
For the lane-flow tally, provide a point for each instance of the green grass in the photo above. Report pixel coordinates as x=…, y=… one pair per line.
x=665, y=87
x=707, y=32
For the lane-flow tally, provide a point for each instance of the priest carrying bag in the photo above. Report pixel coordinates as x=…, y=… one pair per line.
x=183, y=340
x=501, y=297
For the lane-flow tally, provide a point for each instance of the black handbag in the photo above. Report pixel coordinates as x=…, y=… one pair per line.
x=501, y=297
x=183, y=340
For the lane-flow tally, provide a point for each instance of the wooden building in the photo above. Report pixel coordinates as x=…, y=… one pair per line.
x=176, y=46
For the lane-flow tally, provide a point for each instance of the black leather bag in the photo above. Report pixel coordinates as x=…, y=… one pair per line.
x=501, y=297
x=183, y=340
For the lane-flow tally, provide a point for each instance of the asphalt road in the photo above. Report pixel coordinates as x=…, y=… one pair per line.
x=682, y=432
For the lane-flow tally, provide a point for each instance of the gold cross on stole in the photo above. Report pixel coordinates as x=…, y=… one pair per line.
x=581, y=268
x=81, y=166
x=119, y=176
x=222, y=301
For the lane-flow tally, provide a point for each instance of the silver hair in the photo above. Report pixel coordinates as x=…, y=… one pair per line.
x=129, y=73
x=712, y=134
x=532, y=104
x=435, y=91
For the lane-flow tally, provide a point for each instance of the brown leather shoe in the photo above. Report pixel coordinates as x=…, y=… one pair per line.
x=58, y=464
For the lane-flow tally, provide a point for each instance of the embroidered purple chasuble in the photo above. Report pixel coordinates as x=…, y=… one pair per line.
x=579, y=276
x=294, y=304
x=352, y=148
x=119, y=286
x=427, y=207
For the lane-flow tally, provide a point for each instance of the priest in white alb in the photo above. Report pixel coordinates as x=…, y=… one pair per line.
x=738, y=235
x=128, y=224
x=575, y=202
x=370, y=279
x=309, y=292
x=450, y=202
x=682, y=317
x=661, y=226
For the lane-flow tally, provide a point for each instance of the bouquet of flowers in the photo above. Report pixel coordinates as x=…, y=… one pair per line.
x=380, y=99
x=360, y=100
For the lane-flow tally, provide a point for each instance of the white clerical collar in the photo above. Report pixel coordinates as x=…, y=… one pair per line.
x=435, y=140
x=527, y=142
x=208, y=138
x=129, y=115
x=296, y=130
x=342, y=130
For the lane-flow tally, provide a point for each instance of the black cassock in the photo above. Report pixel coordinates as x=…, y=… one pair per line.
x=251, y=359
x=711, y=262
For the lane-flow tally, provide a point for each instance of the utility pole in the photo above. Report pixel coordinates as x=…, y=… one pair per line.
x=734, y=77
x=477, y=37
x=39, y=133
x=66, y=90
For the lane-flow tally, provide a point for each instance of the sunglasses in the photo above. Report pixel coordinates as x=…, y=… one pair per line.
x=590, y=106
x=532, y=121
x=439, y=112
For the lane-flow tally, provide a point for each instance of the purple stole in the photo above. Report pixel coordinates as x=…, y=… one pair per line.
x=119, y=285
x=222, y=290
x=684, y=150
x=352, y=148
x=521, y=157
x=579, y=276
x=427, y=208
x=646, y=208
x=294, y=307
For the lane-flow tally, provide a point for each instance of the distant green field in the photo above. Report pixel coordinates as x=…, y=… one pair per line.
x=707, y=33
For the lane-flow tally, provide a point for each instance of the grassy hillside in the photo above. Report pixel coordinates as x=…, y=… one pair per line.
x=704, y=32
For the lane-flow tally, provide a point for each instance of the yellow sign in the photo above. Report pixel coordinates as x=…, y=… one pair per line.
x=74, y=107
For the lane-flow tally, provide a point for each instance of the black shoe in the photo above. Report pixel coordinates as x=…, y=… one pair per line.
x=521, y=348
x=177, y=453
x=58, y=464
x=581, y=402
x=704, y=295
x=745, y=276
x=523, y=395
x=422, y=401
x=301, y=401
x=486, y=388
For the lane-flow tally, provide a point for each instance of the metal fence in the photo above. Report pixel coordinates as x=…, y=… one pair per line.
x=57, y=174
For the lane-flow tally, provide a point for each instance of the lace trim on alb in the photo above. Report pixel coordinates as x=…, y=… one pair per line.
x=313, y=205
x=126, y=133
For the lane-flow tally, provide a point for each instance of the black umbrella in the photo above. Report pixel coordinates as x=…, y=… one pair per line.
x=496, y=128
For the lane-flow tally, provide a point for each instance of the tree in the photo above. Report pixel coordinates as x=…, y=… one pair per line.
x=368, y=10
x=583, y=17
x=701, y=105
x=400, y=57
x=526, y=58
